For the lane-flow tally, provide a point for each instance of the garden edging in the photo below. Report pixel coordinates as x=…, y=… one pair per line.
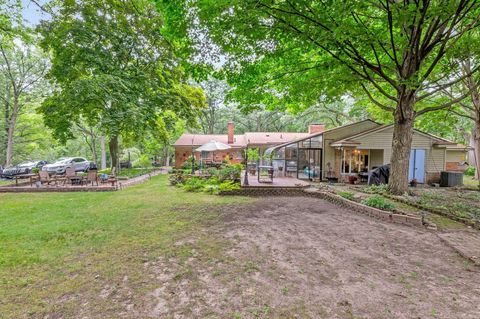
x=332, y=198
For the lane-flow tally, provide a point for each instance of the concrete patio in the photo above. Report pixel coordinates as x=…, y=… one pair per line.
x=278, y=182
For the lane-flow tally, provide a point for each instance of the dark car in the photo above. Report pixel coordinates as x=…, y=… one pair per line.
x=22, y=168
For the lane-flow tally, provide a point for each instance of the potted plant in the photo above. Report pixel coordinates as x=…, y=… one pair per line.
x=352, y=179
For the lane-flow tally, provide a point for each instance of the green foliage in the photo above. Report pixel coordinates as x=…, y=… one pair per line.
x=377, y=189
x=228, y=186
x=379, y=202
x=126, y=89
x=35, y=170
x=143, y=161
x=253, y=154
x=347, y=195
x=187, y=165
x=194, y=184
x=470, y=171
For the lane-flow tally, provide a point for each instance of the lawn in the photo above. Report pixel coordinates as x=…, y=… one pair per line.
x=56, y=246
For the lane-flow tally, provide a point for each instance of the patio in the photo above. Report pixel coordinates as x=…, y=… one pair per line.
x=278, y=182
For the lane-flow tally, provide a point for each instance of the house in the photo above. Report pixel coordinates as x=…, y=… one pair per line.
x=356, y=148
x=238, y=143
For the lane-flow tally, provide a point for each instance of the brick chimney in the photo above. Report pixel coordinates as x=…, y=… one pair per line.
x=230, y=129
x=316, y=128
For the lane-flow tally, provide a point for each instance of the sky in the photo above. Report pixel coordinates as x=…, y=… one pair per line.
x=32, y=13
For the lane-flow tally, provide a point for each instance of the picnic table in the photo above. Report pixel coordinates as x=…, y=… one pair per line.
x=30, y=176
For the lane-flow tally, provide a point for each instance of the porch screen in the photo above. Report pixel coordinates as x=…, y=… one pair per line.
x=354, y=161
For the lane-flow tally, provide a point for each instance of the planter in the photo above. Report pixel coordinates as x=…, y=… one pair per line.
x=352, y=179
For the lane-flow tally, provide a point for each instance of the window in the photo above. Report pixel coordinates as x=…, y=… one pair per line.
x=354, y=161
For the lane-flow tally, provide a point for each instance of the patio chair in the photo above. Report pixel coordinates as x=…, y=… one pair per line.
x=92, y=177
x=45, y=178
x=70, y=175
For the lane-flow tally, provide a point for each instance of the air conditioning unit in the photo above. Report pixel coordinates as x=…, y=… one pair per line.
x=450, y=179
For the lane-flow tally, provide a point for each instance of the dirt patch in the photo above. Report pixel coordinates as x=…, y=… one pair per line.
x=305, y=258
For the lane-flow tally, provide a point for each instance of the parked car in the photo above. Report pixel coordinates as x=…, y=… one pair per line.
x=22, y=168
x=80, y=164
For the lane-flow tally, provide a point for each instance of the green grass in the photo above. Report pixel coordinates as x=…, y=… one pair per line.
x=55, y=245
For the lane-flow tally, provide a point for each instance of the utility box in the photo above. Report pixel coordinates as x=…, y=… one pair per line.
x=450, y=179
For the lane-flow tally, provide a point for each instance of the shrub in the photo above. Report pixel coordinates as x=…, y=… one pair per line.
x=378, y=202
x=228, y=186
x=231, y=172
x=177, y=178
x=35, y=170
x=194, y=184
x=188, y=164
x=377, y=189
x=470, y=171
x=142, y=161
x=347, y=195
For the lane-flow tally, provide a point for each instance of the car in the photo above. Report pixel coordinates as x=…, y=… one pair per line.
x=22, y=168
x=80, y=164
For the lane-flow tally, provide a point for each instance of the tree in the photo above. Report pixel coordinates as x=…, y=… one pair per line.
x=291, y=53
x=113, y=69
x=22, y=69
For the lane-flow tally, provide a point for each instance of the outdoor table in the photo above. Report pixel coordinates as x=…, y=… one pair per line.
x=24, y=176
x=76, y=180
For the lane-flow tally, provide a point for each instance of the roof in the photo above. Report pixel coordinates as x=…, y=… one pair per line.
x=321, y=133
x=252, y=138
x=188, y=139
x=351, y=140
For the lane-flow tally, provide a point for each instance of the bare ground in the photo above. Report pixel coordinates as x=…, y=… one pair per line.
x=305, y=258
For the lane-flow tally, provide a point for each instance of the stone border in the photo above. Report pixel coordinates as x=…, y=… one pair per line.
x=465, y=221
x=53, y=189
x=332, y=198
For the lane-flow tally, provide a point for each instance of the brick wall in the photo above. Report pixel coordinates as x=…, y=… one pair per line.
x=183, y=153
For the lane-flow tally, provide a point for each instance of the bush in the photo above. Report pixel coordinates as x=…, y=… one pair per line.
x=470, y=171
x=177, y=178
x=230, y=172
x=347, y=195
x=35, y=170
x=194, y=184
x=378, y=202
x=228, y=186
x=188, y=164
x=142, y=161
x=377, y=189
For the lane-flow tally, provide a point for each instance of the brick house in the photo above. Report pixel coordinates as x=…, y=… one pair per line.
x=238, y=143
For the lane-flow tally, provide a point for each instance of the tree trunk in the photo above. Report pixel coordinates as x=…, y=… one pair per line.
x=475, y=143
x=9, y=143
x=402, y=142
x=113, y=147
x=103, y=153
x=167, y=156
x=94, y=148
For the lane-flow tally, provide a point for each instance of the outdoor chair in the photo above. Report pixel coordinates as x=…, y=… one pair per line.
x=70, y=175
x=45, y=178
x=92, y=177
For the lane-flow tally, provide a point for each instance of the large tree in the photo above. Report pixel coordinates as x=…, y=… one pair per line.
x=113, y=69
x=22, y=70
x=291, y=53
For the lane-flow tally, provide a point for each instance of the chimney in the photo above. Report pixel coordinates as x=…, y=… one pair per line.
x=230, y=129
x=316, y=128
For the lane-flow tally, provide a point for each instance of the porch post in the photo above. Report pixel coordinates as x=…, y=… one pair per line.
x=245, y=178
